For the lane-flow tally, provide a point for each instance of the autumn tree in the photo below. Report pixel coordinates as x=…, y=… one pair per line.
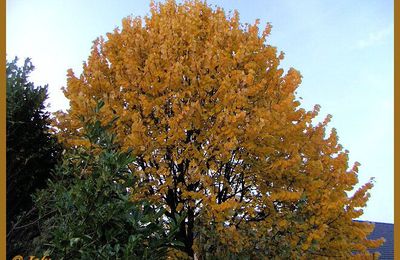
x=220, y=137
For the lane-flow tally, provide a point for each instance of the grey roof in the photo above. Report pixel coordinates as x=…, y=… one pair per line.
x=384, y=230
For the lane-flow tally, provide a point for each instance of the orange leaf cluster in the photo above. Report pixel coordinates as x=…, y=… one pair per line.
x=219, y=134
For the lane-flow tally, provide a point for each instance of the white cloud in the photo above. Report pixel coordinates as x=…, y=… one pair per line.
x=375, y=38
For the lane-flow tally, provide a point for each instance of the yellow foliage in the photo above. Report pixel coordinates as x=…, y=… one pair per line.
x=218, y=132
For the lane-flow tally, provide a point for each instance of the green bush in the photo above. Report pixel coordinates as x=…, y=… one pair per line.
x=32, y=153
x=87, y=211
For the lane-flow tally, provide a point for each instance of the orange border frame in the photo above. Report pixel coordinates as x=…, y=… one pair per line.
x=396, y=130
x=3, y=129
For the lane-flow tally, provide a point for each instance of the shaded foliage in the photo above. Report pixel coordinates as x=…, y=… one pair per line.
x=32, y=153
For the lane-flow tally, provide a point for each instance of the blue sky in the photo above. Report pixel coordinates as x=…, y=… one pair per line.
x=344, y=50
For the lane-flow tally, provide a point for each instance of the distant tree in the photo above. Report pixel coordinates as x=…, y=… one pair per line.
x=87, y=211
x=220, y=137
x=32, y=152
